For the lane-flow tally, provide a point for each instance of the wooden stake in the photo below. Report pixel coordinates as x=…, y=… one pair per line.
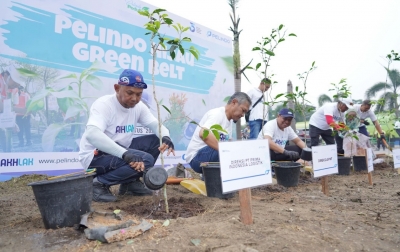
x=325, y=186
x=369, y=173
x=246, y=212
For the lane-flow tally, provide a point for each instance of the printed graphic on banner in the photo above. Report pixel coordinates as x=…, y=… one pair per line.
x=75, y=54
x=324, y=159
x=244, y=164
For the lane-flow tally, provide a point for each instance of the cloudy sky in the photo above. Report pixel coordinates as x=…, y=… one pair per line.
x=346, y=39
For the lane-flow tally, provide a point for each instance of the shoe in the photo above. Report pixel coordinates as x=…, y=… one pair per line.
x=102, y=193
x=135, y=188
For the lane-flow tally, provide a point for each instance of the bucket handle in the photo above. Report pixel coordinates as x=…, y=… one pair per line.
x=88, y=171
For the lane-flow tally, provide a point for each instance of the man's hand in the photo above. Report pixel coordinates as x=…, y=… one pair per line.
x=366, y=122
x=167, y=144
x=293, y=155
x=135, y=161
x=383, y=136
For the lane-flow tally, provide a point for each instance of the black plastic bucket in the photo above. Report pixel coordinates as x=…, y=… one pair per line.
x=212, y=180
x=306, y=154
x=155, y=178
x=62, y=201
x=287, y=173
x=344, y=165
x=359, y=163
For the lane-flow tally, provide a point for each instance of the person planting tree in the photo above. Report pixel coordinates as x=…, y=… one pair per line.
x=364, y=112
x=108, y=143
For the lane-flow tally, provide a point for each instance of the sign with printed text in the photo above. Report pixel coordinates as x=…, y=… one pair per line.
x=325, y=161
x=370, y=160
x=396, y=158
x=244, y=164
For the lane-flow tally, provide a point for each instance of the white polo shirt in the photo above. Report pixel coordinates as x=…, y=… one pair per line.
x=331, y=109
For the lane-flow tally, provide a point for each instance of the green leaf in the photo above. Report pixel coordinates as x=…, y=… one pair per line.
x=194, y=122
x=204, y=102
x=280, y=27
x=185, y=29
x=278, y=95
x=218, y=127
x=176, y=28
x=270, y=53
x=27, y=73
x=186, y=39
x=167, y=109
x=226, y=99
x=224, y=81
x=256, y=48
x=258, y=66
x=73, y=111
x=216, y=134
x=205, y=133
x=181, y=49
x=94, y=81
x=144, y=13
x=168, y=21
x=281, y=40
x=312, y=65
x=158, y=10
x=49, y=136
x=117, y=211
x=172, y=54
x=34, y=106
x=194, y=53
x=292, y=34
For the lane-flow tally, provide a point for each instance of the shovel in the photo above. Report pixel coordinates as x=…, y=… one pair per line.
x=387, y=146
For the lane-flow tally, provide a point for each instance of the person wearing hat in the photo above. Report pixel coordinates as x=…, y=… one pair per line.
x=202, y=149
x=330, y=115
x=279, y=133
x=364, y=112
x=108, y=143
x=259, y=111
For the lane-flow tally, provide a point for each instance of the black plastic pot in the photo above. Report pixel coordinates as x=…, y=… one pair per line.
x=155, y=178
x=359, y=163
x=212, y=180
x=62, y=201
x=287, y=173
x=306, y=154
x=344, y=165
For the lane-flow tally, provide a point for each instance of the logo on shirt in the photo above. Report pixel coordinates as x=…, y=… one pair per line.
x=281, y=142
x=125, y=129
x=337, y=118
x=223, y=137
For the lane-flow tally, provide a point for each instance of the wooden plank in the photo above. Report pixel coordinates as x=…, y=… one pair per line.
x=246, y=211
x=366, y=162
x=325, y=186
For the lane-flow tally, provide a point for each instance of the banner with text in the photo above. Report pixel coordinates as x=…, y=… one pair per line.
x=57, y=57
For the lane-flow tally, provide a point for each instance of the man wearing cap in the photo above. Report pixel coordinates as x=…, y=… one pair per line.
x=363, y=112
x=279, y=132
x=259, y=111
x=108, y=144
x=202, y=149
x=330, y=115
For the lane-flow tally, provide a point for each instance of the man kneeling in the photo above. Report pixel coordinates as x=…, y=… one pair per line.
x=279, y=132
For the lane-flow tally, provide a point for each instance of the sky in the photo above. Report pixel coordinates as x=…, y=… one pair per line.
x=346, y=39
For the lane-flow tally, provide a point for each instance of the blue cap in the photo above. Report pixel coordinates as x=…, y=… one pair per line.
x=132, y=78
x=286, y=113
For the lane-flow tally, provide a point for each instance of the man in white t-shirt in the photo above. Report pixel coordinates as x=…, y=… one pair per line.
x=206, y=149
x=330, y=115
x=397, y=127
x=278, y=132
x=363, y=112
x=259, y=111
x=108, y=143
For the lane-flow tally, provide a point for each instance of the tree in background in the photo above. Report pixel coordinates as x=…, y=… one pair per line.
x=237, y=70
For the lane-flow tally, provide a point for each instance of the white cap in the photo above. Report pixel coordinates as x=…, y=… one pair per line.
x=347, y=101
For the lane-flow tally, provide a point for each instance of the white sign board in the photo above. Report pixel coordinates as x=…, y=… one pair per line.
x=324, y=160
x=244, y=164
x=370, y=160
x=396, y=158
x=7, y=120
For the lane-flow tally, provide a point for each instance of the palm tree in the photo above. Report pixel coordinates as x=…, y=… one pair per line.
x=390, y=92
x=322, y=99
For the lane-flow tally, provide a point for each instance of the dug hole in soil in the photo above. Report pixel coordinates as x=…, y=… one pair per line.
x=355, y=217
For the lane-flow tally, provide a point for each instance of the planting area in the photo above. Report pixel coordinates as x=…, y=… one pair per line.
x=355, y=217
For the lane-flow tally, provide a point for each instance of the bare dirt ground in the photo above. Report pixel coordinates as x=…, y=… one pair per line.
x=355, y=217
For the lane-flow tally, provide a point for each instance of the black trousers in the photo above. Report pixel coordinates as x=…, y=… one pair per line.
x=326, y=135
x=282, y=157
